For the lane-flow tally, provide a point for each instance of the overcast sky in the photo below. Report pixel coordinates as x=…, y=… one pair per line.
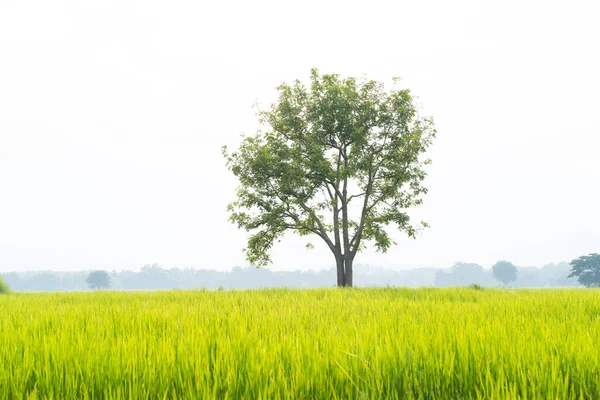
x=113, y=114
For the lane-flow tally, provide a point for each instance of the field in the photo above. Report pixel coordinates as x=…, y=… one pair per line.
x=311, y=344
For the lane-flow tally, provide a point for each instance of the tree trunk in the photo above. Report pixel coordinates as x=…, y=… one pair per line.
x=348, y=272
x=344, y=271
x=341, y=278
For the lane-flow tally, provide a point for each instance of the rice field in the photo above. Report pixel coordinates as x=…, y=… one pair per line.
x=302, y=344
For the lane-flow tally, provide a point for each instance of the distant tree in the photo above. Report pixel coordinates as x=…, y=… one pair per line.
x=469, y=273
x=467, y=269
x=98, y=280
x=341, y=159
x=462, y=274
x=4, y=289
x=46, y=281
x=505, y=272
x=557, y=275
x=587, y=270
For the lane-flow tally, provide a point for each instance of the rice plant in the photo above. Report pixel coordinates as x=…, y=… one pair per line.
x=302, y=344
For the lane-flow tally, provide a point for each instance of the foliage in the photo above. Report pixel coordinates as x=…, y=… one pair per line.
x=295, y=344
x=505, y=272
x=340, y=159
x=558, y=275
x=98, y=280
x=463, y=268
x=587, y=270
x=463, y=274
x=4, y=289
x=551, y=275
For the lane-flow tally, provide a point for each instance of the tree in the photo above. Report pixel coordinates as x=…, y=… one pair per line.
x=98, y=280
x=505, y=272
x=4, y=289
x=462, y=274
x=587, y=270
x=340, y=159
x=557, y=275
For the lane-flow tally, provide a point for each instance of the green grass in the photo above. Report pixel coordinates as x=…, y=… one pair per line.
x=311, y=344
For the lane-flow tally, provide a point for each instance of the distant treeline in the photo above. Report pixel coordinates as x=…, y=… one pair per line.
x=153, y=277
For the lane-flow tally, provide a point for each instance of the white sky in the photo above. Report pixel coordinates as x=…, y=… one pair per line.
x=113, y=113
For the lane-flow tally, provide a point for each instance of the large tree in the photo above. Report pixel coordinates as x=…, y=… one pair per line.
x=341, y=159
x=505, y=272
x=587, y=270
x=98, y=280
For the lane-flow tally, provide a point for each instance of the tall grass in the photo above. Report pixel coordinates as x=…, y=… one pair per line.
x=313, y=344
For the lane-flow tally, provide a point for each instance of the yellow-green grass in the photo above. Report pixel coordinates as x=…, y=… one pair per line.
x=302, y=344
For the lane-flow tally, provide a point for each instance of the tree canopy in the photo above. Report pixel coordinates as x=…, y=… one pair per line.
x=341, y=159
x=98, y=280
x=505, y=272
x=587, y=270
x=4, y=289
